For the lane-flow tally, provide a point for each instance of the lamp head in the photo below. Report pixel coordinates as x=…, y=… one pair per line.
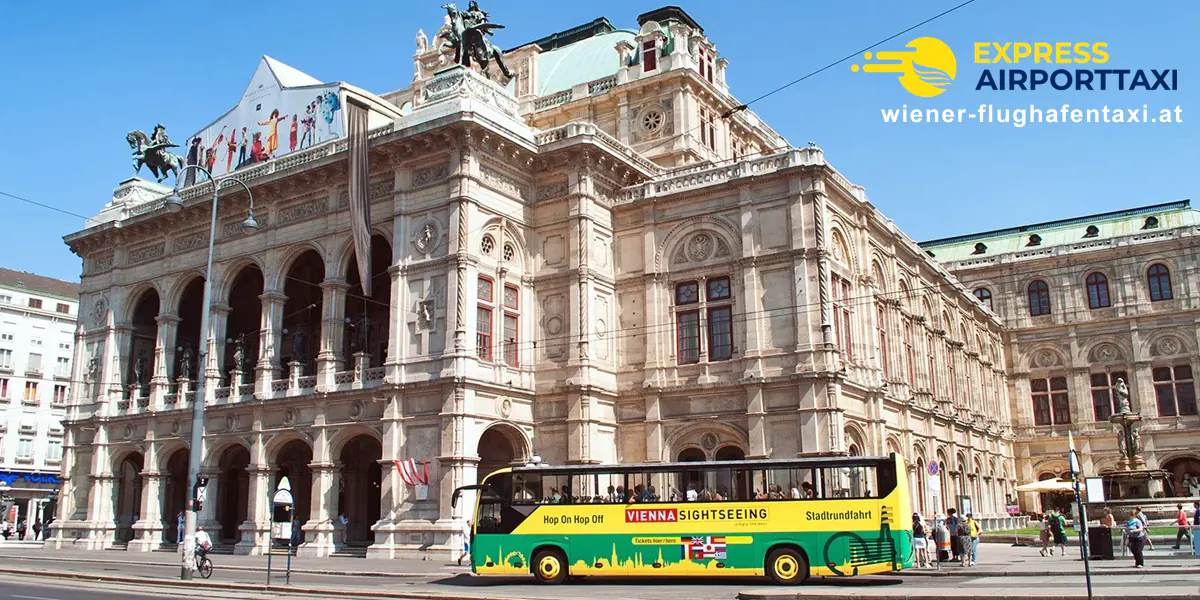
x=173, y=202
x=249, y=226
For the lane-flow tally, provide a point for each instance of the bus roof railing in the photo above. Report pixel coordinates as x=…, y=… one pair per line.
x=763, y=463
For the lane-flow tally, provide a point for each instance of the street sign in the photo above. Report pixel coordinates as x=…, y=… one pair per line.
x=933, y=467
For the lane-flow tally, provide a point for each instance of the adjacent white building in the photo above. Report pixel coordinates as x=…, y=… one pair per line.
x=37, y=331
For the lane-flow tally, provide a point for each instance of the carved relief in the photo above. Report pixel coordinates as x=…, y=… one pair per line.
x=100, y=311
x=428, y=234
x=357, y=409
x=553, y=190
x=234, y=228
x=1107, y=353
x=1167, y=346
x=430, y=175
x=147, y=253
x=1046, y=358
x=554, y=249
x=190, y=241
x=600, y=251
x=503, y=182
x=101, y=264
x=554, y=325
x=305, y=210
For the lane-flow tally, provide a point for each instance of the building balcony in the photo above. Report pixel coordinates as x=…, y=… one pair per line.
x=33, y=373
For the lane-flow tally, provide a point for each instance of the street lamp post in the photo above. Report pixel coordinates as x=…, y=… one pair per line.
x=175, y=204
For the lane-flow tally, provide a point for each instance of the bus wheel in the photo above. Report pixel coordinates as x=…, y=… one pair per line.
x=549, y=566
x=786, y=566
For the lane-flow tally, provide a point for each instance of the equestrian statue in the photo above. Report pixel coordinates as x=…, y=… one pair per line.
x=152, y=152
x=467, y=34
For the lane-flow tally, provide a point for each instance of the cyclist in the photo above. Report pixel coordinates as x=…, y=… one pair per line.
x=203, y=544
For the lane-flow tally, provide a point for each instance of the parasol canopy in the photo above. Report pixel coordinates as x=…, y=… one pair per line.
x=1047, y=485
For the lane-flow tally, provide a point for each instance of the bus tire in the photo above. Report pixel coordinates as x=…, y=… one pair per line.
x=549, y=566
x=787, y=566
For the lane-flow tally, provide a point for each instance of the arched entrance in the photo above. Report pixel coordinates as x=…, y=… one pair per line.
x=500, y=446
x=244, y=322
x=233, y=492
x=302, y=311
x=292, y=462
x=919, y=493
x=373, y=330
x=128, y=499
x=1185, y=476
x=691, y=455
x=187, y=335
x=140, y=366
x=174, y=499
x=361, y=478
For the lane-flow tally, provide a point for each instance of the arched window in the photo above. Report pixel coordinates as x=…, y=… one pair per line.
x=1159, y=278
x=1039, y=298
x=985, y=296
x=1097, y=290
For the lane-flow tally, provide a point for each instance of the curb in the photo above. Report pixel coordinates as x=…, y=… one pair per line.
x=246, y=587
x=101, y=561
x=1095, y=573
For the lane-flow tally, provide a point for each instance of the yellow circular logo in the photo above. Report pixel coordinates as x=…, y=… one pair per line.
x=926, y=70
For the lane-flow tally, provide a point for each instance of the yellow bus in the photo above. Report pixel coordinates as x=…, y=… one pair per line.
x=786, y=519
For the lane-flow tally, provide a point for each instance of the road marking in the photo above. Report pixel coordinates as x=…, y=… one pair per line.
x=33, y=597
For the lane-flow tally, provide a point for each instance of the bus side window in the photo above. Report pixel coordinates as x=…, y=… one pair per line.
x=526, y=488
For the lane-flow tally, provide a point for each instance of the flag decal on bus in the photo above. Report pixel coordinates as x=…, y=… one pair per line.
x=697, y=548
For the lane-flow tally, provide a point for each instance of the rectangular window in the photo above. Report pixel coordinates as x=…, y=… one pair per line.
x=718, y=289
x=511, y=296
x=6, y=337
x=35, y=363
x=909, y=357
x=36, y=342
x=63, y=308
x=1041, y=401
x=31, y=394
x=1062, y=402
x=60, y=395
x=5, y=359
x=3, y=388
x=932, y=374
x=35, y=303
x=1175, y=391
x=483, y=332
x=53, y=451
x=25, y=449
x=708, y=128
x=842, y=325
x=720, y=333
x=63, y=369
x=5, y=299
x=706, y=64
x=510, y=340
x=649, y=56
x=64, y=346
x=485, y=289
x=689, y=337
x=687, y=293
x=1103, y=395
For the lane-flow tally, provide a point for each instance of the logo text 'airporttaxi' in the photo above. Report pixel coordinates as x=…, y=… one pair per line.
x=926, y=70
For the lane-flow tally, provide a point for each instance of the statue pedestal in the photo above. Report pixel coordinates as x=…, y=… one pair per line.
x=295, y=372
x=362, y=362
x=1129, y=441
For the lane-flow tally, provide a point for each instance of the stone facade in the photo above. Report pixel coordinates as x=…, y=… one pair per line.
x=1086, y=301
x=549, y=280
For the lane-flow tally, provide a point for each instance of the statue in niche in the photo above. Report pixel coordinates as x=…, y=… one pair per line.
x=1122, y=397
x=239, y=354
x=425, y=315
x=422, y=41
x=185, y=365
x=362, y=333
x=299, y=337
x=93, y=369
x=139, y=368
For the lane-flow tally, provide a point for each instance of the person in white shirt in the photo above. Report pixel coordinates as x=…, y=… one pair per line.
x=466, y=553
x=692, y=495
x=203, y=542
x=795, y=491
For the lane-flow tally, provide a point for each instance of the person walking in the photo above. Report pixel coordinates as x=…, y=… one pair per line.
x=1058, y=528
x=1146, y=525
x=37, y=528
x=1044, y=535
x=467, y=534
x=1135, y=529
x=952, y=523
x=21, y=530
x=919, y=541
x=1181, y=521
x=975, y=529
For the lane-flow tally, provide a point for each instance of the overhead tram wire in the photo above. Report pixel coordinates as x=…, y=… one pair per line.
x=729, y=113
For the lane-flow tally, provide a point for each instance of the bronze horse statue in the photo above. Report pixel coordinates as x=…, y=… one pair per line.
x=468, y=36
x=154, y=154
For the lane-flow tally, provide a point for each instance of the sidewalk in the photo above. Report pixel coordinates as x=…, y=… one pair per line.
x=348, y=566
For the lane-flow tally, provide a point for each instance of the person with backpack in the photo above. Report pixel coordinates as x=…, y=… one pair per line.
x=962, y=532
x=1058, y=529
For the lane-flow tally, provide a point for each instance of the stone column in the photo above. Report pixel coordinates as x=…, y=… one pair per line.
x=391, y=488
x=319, y=528
x=121, y=337
x=268, y=366
x=398, y=326
x=333, y=329
x=164, y=358
x=218, y=318
x=256, y=529
x=147, y=532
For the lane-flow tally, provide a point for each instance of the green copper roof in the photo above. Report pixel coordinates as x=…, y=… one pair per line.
x=1065, y=231
x=581, y=62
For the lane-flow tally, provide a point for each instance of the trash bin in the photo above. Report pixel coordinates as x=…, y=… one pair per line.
x=1100, y=543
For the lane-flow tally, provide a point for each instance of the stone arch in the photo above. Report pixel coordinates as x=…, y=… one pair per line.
x=361, y=477
x=701, y=246
x=1168, y=343
x=879, y=274
x=841, y=252
x=892, y=445
x=1105, y=350
x=855, y=435
x=902, y=293
x=173, y=466
x=1042, y=356
x=292, y=459
x=1183, y=467
x=289, y=257
x=176, y=291
x=224, y=280
x=127, y=491
x=500, y=445
x=219, y=447
x=375, y=308
x=344, y=435
x=729, y=233
x=505, y=231
x=931, y=320
x=694, y=436
x=233, y=490
x=142, y=320
x=137, y=294
x=343, y=251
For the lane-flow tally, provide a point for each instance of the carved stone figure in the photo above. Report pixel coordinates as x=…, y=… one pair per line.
x=1122, y=397
x=422, y=41
x=93, y=369
x=139, y=368
x=239, y=355
x=152, y=152
x=299, y=336
x=362, y=333
x=425, y=242
x=468, y=36
x=1121, y=446
x=185, y=365
x=425, y=315
x=1135, y=440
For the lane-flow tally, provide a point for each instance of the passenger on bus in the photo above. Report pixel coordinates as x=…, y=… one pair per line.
x=612, y=494
x=806, y=489
x=794, y=489
x=692, y=494
x=652, y=494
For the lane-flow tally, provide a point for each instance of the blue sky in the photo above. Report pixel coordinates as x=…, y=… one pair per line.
x=81, y=75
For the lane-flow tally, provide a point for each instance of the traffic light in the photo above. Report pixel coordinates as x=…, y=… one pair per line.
x=199, y=493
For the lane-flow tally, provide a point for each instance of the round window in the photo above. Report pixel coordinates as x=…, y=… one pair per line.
x=487, y=245
x=652, y=120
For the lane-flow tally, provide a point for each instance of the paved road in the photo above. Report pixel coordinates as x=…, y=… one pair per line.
x=15, y=589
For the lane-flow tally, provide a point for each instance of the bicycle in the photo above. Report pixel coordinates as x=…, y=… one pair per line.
x=204, y=564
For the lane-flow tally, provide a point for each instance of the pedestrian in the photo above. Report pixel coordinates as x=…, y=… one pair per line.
x=962, y=531
x=919, y=541
x=952, y=523
x=1146, y=525
x=1106, y=520
x=1181, y=521
x=21, y=530
x=1196, y=514
x=1044, y=535
x=297, y=534
x=1058, y=529
x=37, y=529
x=467, y=535
x=1135, y=529
x=46, y=534
x=975, y=531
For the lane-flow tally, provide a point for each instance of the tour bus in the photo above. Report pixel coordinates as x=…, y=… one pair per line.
x=783, y=518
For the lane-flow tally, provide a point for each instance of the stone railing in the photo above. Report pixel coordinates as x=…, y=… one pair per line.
x=609, y=142
x=375, y=374
x=545, y=102
x=307, y=382
x=602, y=85
x=720, y=174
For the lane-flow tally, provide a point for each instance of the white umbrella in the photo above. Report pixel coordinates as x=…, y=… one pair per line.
x=1047, y=485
